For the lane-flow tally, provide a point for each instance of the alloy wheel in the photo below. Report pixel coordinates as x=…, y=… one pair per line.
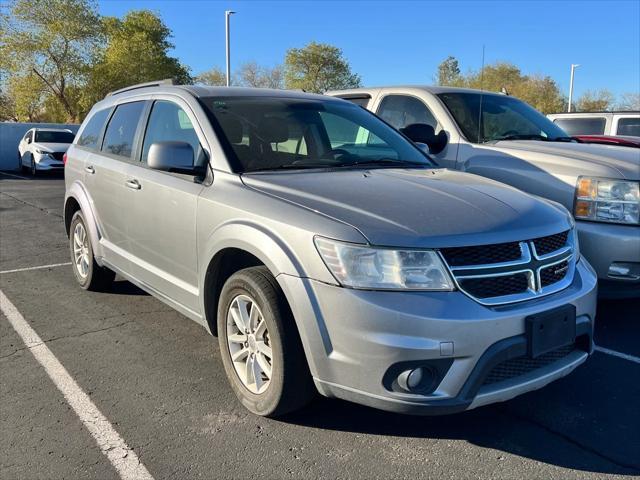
x=249, y=344
x=81, y=250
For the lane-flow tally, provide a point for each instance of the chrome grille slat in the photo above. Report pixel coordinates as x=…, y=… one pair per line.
x=503, y=279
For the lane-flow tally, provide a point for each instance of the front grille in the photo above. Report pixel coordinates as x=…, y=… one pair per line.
x=551, y=243
x=488, y=287
x=508, y=272
x=497, y=253
x=519, y=366
x=57, y=155
x=554, y=273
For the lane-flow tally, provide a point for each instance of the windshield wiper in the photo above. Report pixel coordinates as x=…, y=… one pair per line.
x=385, y=162
x=529, y=136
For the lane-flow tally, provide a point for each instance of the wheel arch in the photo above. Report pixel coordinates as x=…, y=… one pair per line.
x=76, y=199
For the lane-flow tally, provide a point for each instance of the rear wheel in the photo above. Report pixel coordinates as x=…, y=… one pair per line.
x=260, y=346
x=89, y=274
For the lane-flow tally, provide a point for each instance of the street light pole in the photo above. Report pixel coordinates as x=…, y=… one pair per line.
x=227, y=14
x=573, y=67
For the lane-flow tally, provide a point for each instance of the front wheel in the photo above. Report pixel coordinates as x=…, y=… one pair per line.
x=88, y=273
x=260, y=346
x=34, y=168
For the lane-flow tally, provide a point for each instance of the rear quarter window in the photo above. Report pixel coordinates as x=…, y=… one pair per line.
x=91, y=132
x=629, y=126
x=582, y=126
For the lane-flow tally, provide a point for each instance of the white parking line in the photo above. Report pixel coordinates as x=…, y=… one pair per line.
x=625, y=356
x=12, y=175
x=123, y=459
x=39, y=267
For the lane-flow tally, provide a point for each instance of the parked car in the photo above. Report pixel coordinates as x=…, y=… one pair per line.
x=42, y=149
x=598, y=123
x=325, y=250
x=609, y=140
x=519, y=146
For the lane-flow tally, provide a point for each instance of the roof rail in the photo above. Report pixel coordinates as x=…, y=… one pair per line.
x=156, y=83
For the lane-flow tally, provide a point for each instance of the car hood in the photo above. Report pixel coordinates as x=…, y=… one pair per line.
x=608, y=160
x=51, y=147
x=418, y=207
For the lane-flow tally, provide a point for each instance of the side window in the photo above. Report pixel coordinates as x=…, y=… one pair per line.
x=29, y=136
x=629, y=126
x=170, y=123
x=121, y=131
x=360, y=101
x=582, y=126
x=91, y=132
x=402, y=110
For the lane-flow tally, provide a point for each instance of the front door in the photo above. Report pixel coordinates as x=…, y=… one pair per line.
x=162, y=226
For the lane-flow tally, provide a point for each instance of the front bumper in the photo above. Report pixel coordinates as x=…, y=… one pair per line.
x=46, y=163
x=353, y=338
x=604, y=244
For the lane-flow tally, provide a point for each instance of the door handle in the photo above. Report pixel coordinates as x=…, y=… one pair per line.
x=90, y=169
x=133, y=184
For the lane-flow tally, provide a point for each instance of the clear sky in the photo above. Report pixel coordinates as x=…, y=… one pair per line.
x=403, y=42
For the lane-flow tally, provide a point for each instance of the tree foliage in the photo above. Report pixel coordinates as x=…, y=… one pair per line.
x=215, y=77
x=318, y=67
x=449, y=72
x=251, y=74
x=542, y=92
x=595, y=101
x=629, y=101
x=137, y=51
x=54, y=40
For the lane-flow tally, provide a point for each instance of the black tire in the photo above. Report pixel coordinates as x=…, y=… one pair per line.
x=33, y=169
x=291, y=386
x=98, y=278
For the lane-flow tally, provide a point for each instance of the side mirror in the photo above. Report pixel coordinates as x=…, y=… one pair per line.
x=423, y=133
x=174, y=157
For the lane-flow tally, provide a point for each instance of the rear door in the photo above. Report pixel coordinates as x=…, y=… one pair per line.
x=106, y=172
x=162, y=207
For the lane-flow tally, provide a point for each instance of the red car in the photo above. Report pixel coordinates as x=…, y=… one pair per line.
x=609, y=140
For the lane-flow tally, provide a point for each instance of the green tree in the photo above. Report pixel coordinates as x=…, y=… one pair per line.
x=54, y=40
x=318, y=67
x=449, y=72
x=595, y=101
x=541, y=92
x=216, y=77
x=137, y=51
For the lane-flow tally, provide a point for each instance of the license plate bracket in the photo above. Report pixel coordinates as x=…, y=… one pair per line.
x=549, y=330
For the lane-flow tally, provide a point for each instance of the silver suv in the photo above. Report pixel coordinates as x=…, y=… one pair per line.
x=325, y=250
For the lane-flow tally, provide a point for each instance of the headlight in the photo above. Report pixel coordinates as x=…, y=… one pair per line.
x=360, y=266
x=42, y=152
x=607, y=200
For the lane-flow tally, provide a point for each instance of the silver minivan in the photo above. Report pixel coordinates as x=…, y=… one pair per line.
x=325, y=250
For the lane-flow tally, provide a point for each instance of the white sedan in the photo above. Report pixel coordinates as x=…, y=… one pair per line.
x=42, y=149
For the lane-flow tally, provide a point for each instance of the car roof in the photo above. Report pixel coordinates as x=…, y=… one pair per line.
x=587, y=114
x=41, y=129
x=435, y=89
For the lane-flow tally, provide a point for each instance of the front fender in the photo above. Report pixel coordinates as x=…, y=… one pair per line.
x=78, y=193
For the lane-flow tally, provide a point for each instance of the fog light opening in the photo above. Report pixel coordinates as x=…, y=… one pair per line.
x=417, y=380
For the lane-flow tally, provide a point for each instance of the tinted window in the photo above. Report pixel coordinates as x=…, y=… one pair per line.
x=629, y=126
x=402, y=110
x=502, y=116
x=582, y=126
x=170, y=123
x=45, y=136
x=360, y=101
x=91, y=132
x=266, y=133
x=29, y=136
x=120, y=134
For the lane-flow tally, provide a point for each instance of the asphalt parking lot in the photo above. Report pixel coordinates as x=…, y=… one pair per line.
x=158, y=379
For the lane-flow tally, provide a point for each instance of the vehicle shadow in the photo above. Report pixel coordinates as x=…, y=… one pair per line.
x=17, y=175
x=125, y=287
x=570, y=424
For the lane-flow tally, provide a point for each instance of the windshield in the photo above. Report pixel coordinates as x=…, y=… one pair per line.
x=503, y=118
x=274, y=133
x=45, y=136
